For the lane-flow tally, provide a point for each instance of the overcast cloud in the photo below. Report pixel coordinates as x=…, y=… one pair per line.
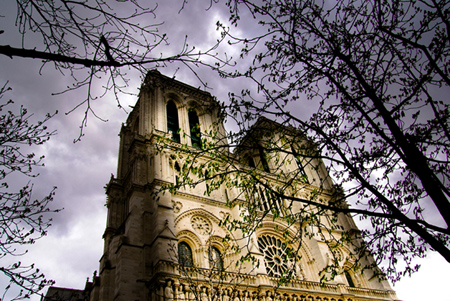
x=74, y=245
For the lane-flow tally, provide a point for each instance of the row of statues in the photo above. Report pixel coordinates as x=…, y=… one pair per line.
x=181, y=292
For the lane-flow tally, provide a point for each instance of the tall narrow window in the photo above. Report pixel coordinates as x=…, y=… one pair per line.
x=194, y=126
x=172, y=121
x=185, y=255
x=251, y=163
x=268, y=201
x=136, y=126
x=215, y=259
x=262, y=158
x=301, y=169
x=349, y=279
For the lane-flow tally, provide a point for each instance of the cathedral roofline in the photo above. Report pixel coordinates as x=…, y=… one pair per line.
x=264, y=126
x=153, y=76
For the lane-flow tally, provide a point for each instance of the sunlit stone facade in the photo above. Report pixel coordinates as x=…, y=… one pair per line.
x=150, y=235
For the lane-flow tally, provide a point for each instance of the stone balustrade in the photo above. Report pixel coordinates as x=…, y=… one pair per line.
x=209, y=285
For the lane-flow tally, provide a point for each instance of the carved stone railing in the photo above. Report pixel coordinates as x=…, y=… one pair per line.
x=184, y=284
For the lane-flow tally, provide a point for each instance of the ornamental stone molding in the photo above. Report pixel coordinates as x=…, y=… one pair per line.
x=188, y=236
x=216, y=241
x=201, y=212
x=223, y=215
x=177, y=206
x=276, y=256
x=268, y=227
x=201, y=225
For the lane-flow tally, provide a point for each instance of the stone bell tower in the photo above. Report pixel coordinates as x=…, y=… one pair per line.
x=150, y=234
x=140, y=221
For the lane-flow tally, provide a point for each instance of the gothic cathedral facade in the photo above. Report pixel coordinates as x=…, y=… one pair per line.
x=173, y=245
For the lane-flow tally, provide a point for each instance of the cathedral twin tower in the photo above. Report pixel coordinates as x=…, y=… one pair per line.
x=166, y=244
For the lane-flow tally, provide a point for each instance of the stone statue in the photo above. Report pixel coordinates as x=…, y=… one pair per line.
x=225, y=296
x=180, y=293
x=168, y=291
x=203, y=295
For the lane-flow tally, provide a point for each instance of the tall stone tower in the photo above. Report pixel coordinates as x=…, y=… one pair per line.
x=174, y=245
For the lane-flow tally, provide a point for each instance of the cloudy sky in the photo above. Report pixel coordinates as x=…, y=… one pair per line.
x=70, y=252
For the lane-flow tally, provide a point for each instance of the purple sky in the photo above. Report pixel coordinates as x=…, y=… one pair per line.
x=72, y=249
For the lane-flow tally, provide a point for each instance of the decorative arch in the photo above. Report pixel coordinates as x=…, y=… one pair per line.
x=353, y=280
x=216, y=241
x=198, y=211
x=194, y=104
x=175, y=97
x=203, y=242
x=269, y=227
x=349, y=278
x=190, y=238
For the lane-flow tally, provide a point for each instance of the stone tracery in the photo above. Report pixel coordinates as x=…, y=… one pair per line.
x=276, y=255
x=201, y=225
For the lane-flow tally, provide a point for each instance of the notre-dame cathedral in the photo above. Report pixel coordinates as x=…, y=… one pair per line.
x=167, y=245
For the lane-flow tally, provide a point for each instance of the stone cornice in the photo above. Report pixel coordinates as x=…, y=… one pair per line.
x=156, y=79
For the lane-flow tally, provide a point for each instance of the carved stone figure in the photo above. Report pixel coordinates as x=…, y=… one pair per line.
x=168, y=291
x=180, y=293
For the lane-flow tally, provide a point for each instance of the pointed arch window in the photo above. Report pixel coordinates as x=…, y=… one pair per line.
x=215, y=259
x=349, y=279
x=262, y=158
x=267, y=201
x=251, y=162
x=301, y=169
x=172, y=121
x=185, y=255
x=194, y=126
x=136, y=126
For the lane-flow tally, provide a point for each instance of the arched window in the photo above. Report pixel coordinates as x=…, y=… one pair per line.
x=270, y=202
x=349, y=279
x=262, y=158
x=177, y=170
x=194, y=126
x=251, y=162
x=172, y=121
x=185, y=255
x=277, y=256
x=301, y=169
x=136, y=126
x=215, y=259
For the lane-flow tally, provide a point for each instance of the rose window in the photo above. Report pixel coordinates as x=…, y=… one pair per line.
x=201, y=225
x=276, y=255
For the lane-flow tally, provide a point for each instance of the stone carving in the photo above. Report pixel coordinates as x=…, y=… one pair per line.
x=255, y=296
x=177, y=206
x=180, y=293
x=225, y=296
x=203, y=294
x=246, y=296
x=223, y=215
x=168, y=291
x=275, y=255
x=201, y=225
